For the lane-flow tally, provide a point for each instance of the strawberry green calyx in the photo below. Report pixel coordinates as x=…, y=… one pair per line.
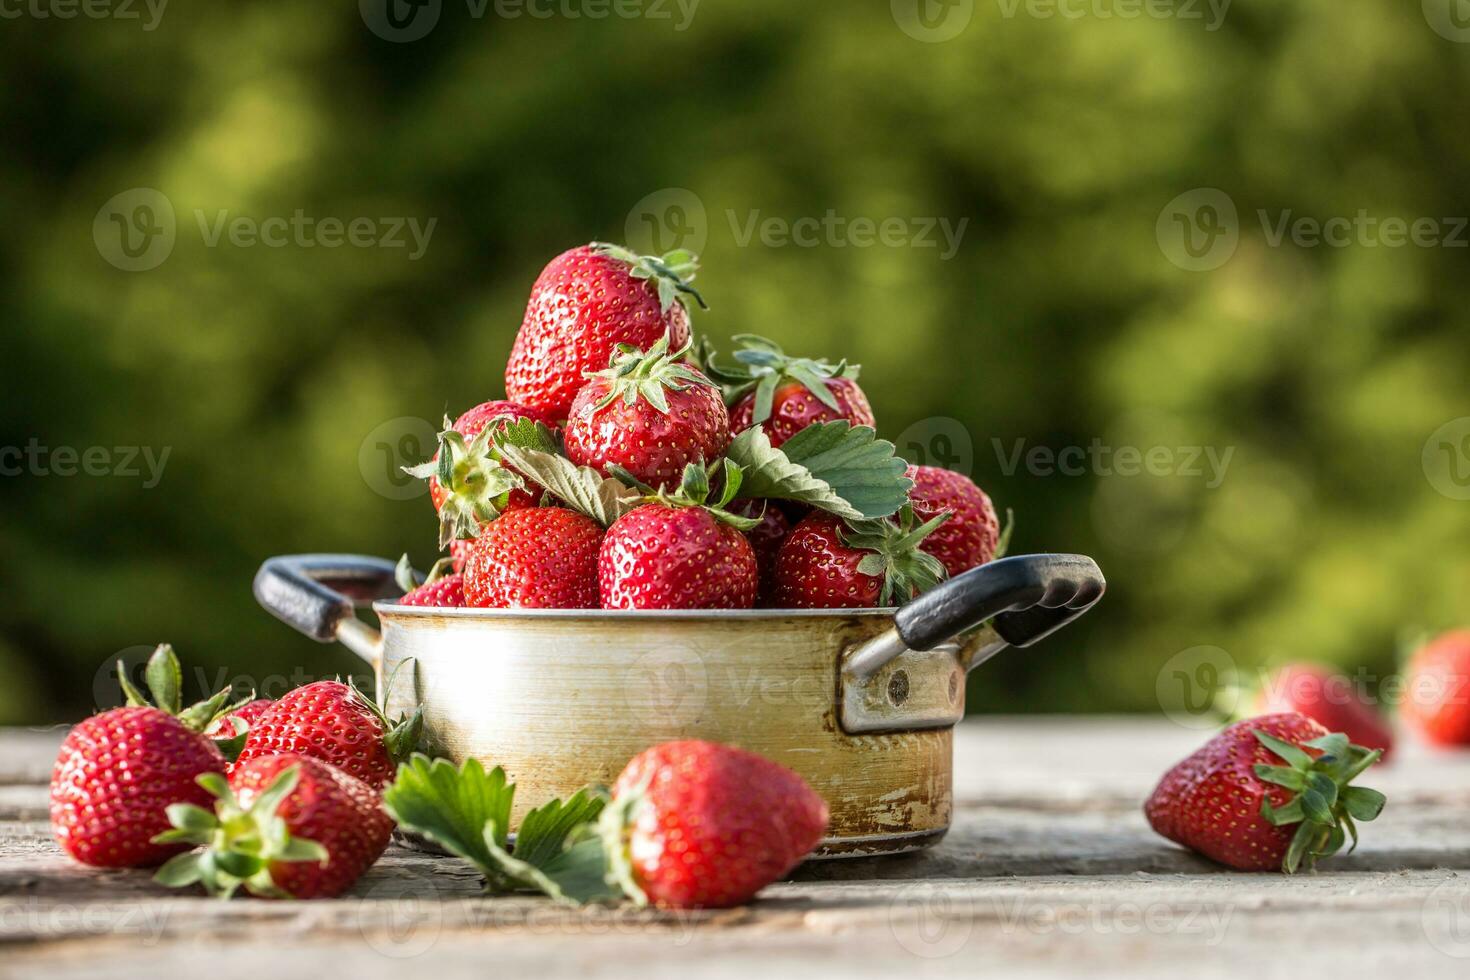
x=238, y=843
x=762, y=365
x=407, y=580
x=615, y=828
x=895, y=553
x=1323, y=805
x=476, y=485
x=402, y=737
x=671, y=273
x=634, y=374
x=694, y=490
x=165, y=679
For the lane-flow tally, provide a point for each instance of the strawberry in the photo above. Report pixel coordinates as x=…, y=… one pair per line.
x=1328, y=698
x=786, y=394
x=585, y=303
x=117, y=771
x=649, y=414
x=702, y=825
x=249, y=713
x=1234, y=802
x=440, y=588
x=678, y=553
x=537, y=558
x=765, y=540
x=1437, y=689
x=468, y=483
x=284, y=826
x=827, y=564
x=972, y=534
x=338, y=724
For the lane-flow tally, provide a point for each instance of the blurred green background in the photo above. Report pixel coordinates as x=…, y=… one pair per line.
x=285, y=381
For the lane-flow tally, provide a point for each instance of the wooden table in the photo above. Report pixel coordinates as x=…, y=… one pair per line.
x=1049, y=870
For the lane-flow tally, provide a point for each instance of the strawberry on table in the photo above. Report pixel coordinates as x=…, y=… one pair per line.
x=702, y=825
x=468, y=483
x=1268, y=792
x=338, y=724
x=117, y=771
x=586, y=302
x=1437, y=689
x=649, y=413
x=536, y=558
x=284, y=826
x=786, y=394
x=972, y=534
x=680, y=553
x=826, y=563
x=1329, y=698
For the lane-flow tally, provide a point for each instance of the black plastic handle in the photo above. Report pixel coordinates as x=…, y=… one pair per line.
x=1028, y=596
x=313, y=593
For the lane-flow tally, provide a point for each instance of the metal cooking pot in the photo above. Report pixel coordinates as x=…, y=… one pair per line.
x=861, y=702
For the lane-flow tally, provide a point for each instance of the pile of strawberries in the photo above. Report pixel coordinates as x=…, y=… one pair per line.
x=631, y=469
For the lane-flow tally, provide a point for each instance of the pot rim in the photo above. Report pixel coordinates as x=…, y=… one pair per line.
x=740, y=615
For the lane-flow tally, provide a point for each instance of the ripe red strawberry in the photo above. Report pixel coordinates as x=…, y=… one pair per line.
x=702, y=825
x=249, y=713
x=117, y=771
x=334, y=829
x=765, y=540
x=827, y=564
x=1328, y=698
x=650, y=414
x=972, y=534
x=536, y=558
x=468, y=482
x=585, y=303
x=439, y=588
x=679, y=553
x=1234, y=802
x=786, y=394
x=459, y=552
x=338, y=724
x=1437, y=689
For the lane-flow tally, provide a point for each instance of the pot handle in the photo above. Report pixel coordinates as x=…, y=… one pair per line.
x=317, y=594
x=1026, y=598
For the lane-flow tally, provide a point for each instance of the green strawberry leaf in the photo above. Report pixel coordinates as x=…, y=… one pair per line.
x=453, y=807
x=553, y=855
x=1363, y=803
x=580, y=488
x=834, y=466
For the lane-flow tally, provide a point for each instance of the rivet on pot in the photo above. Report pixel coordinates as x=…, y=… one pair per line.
x=898, y=688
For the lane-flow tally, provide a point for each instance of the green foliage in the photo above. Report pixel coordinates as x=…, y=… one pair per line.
x=280, y=378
